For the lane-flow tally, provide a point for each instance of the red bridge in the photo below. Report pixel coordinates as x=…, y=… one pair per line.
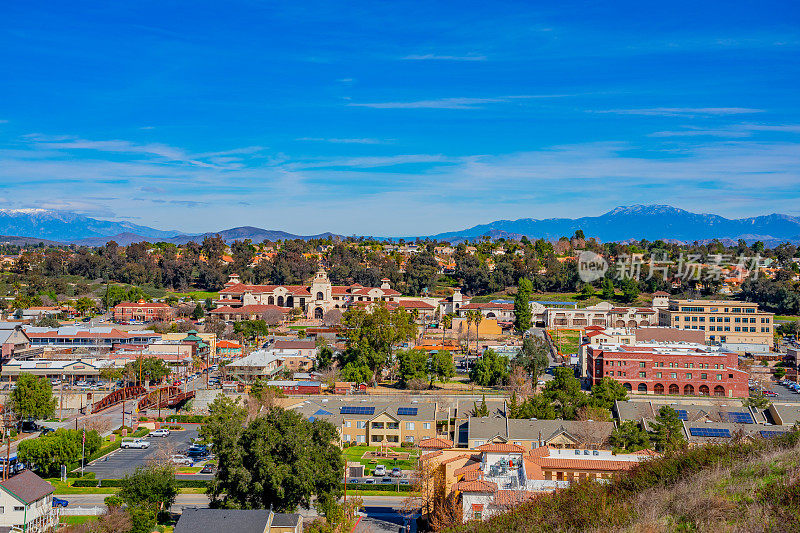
x=118, y=396
x=164, y=397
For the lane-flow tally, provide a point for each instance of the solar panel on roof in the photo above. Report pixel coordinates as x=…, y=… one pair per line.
x=356, y=410
x=709, y=432
x=407, y=411
x=323, y=412
x=770, y=434
x=682, y=414
x=740, y=417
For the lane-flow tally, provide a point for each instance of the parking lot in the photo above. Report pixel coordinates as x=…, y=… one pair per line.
x=124, y=461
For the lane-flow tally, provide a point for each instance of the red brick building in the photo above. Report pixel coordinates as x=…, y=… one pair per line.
x=143, y=311
x=669, y=368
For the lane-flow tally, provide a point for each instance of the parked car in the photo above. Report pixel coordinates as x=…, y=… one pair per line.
x=55, y=382
x=30, y=426
x=47, y=430
x=163, y=432
x=396, y=472
x=380, y=470
x=370, y=481
x=387, y=481
x=181, y=460
x=58, y=502
x=134, y=443
x=770, y=393
x=207, y=469
x=404, y=482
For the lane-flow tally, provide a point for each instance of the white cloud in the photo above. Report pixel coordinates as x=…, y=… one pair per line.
x=681, y=111
x=436, y=57
x=341, y=140
x=452, y=103
x=732, y=131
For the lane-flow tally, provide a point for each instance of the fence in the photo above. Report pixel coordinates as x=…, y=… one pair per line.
x=81, y=511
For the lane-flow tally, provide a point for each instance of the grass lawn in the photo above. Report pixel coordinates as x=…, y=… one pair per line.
x=786, y=318
x=195, y=295
x=76, y=520
x=59, y=487
x=188, y=469
x=566, y=340
x=354, y=455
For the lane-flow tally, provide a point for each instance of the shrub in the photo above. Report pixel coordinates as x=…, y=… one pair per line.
x=186, y=419
x=84, y=483
x=384, y=488
x=110, y=482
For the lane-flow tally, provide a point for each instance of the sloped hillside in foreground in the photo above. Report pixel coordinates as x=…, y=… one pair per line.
x=737, y=487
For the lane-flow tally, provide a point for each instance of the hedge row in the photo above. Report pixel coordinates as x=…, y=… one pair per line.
x=84, y=483
x=184, y=419
x=386, y=488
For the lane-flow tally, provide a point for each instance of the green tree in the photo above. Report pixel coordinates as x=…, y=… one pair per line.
x=356, y=364
x=522, y=306
x=279, y=461
x=607, y=289
x=533, y=356
x=629, y=437
x=198, y=312
x=324, y=358
x=441, y=366
x=250, y=329
x=490, y=369
x=412, y=365
x=564, y=392
x=482, y=409
x=607, y=391
x=152, y=369
x=48, y=322
x=32, y=398
x=62, y=447
x=667, y=430
x=147, y=491
x=630, y=290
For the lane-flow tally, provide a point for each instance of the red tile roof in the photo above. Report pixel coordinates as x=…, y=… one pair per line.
x=435, y=443
x=585, y=464
x=514, y=497
x=415, y=304
x=487, y=305
x=249, y=309
x=467, y=468
x=503, y=448
x=476, y=486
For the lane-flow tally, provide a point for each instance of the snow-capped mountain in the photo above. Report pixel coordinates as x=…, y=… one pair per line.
x=65, y=226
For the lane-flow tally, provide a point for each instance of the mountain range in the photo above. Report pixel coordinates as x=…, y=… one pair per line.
x=620, y=224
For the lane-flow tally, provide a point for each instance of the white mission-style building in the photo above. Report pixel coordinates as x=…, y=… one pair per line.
x=313, y=300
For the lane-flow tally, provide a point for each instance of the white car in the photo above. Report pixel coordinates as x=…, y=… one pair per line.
x=380, y=470
x=181, y=460
x=134, y=443
x=159, y=433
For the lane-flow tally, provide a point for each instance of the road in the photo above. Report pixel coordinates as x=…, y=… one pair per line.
x=124, y=461
x=382, y=513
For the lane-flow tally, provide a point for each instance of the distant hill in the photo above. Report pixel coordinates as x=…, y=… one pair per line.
x=650, y=222
x=65, y=226
x=621, y=224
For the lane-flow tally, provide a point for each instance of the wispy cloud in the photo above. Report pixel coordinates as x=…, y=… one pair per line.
x=732, y=131
x=437, y=57
x=452, y=103
x=681, y=111
x=341, y=140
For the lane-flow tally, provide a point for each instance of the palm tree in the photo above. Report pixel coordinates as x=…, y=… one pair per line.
x=468, y=315
x=477, y=319
x=447, y=323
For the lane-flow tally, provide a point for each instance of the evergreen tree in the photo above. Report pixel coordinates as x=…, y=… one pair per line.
x=522, y=306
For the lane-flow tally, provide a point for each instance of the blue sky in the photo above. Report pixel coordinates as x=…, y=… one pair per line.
x=397, y=118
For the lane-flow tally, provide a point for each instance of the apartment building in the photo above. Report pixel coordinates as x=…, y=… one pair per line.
x=26, y=504
x=669, y=368
x=374, y=422
x=603, y=314
x=531, y=434
x=736, y=324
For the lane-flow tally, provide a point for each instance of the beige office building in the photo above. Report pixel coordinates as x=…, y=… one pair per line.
x=723, y=321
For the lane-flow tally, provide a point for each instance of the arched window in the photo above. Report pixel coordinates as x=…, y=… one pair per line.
x=271, y=300
x=627, y=386
x=320, y=296
x=658, y=388
x=688, y=390
x=673, y=389
x=719, y=390
x=280, y=301
x=290, y=301
x=490, y=315
x=318, y=312
x=642, y=387
x=703, y=390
